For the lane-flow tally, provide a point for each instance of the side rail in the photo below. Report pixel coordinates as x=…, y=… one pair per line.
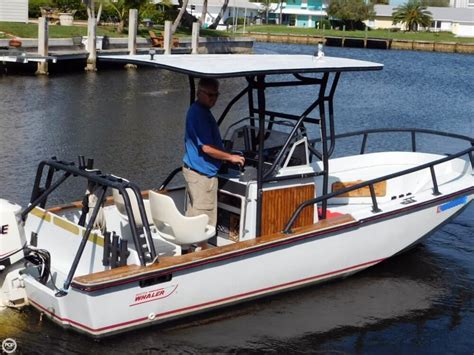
x=372, y=182
x=413, y=135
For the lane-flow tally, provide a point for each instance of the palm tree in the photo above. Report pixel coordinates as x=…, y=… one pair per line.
x=216, y=21
x=202, y=19
x=177, y=21
x=413, y=14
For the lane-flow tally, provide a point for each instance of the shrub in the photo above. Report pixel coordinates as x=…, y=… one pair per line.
x=230, y=21
x=34, y=6
x=325, y=23
x=67, y=5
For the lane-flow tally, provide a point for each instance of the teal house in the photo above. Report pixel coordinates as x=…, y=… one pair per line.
x=298, y=13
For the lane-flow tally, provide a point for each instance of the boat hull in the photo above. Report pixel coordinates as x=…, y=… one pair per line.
x=311, y=259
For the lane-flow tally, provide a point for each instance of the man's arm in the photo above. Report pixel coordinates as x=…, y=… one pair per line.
x=216, y=153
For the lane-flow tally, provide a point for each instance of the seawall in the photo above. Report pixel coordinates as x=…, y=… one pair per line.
x=361, y=42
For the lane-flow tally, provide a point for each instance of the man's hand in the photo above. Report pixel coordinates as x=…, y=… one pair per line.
x=216, y=153
x=237, y=159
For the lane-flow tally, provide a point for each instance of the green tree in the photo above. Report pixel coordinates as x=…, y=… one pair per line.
x=412, y=14
x=435, y=3
x=122, y=7
x=350, y=12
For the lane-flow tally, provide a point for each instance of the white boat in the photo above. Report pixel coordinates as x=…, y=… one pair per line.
x=295, y=217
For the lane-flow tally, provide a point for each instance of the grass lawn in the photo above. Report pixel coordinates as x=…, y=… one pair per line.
x=420, y=36
x=30, y=30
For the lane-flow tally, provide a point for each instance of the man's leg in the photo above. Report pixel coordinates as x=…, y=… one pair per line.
x=202, y=196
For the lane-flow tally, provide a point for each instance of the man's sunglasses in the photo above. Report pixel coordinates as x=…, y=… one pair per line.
x=210, y=94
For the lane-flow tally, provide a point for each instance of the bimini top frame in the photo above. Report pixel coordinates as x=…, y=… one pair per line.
x=255, y=69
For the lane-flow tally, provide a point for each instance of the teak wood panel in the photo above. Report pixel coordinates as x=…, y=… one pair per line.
x=278, y=205
x=169, y=262
x=380, y=189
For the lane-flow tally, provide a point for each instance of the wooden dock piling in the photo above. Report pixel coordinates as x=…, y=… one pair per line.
x=195, y=38
x=91, y=64
x=132, y=31
x=167, y=40
x=42, y=68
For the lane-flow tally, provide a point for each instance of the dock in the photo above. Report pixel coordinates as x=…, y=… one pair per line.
x=68, y=52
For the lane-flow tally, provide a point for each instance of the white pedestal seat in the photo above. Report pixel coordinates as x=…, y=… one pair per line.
x=175, y=227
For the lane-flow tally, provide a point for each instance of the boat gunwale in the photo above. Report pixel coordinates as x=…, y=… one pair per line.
x=239, y=248
x=138, y=273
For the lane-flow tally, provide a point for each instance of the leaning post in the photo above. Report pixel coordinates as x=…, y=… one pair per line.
x=195, y=38
x=132, y=31
x=42, y=68
x=167, y=37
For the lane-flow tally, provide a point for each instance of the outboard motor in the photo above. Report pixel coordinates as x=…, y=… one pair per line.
x=12, y=234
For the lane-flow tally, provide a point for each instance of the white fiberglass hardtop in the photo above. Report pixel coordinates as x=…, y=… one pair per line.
x=226, y=65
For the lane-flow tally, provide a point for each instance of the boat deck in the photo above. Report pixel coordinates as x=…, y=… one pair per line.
x=169, y=264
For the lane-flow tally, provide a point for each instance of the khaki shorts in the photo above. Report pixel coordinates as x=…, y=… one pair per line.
x=201, y=194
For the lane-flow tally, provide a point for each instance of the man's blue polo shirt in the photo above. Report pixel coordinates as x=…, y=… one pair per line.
x=201, y=129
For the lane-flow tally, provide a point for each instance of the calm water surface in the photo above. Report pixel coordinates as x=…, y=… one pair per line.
x=131, y=123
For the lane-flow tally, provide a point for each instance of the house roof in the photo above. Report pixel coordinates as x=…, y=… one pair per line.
x=237, y=65
x=438, y=13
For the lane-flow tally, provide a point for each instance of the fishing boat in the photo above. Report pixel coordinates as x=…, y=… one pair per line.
x=122, y=258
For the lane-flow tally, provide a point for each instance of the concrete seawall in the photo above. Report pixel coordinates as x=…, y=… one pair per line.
x=376, y=43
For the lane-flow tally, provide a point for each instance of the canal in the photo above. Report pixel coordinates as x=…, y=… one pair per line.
x=131, y=123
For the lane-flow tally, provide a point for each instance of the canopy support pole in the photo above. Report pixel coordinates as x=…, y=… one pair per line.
x=261, y=139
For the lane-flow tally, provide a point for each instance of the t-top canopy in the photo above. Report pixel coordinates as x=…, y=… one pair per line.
x=232, y=65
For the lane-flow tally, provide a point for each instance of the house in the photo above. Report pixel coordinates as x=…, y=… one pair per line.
x=14, y=10
x=459, y=21
x=462, y=3
x=235, y=9
x=298, y=13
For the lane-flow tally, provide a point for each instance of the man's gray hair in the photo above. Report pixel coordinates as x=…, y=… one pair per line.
x=208, y=83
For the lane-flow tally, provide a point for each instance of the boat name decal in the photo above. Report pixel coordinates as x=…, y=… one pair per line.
x=153, y=295
x=453, y=203
x=4, y=229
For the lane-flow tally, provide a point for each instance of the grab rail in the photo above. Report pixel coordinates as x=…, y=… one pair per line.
x=372, y=182
x=169, y=178
x=412, y=131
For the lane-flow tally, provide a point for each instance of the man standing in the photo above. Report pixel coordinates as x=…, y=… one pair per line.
x=204, y=153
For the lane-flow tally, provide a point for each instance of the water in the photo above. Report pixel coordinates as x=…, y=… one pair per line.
x=131, y=123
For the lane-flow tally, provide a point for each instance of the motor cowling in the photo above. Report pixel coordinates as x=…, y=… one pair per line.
x=12, y=234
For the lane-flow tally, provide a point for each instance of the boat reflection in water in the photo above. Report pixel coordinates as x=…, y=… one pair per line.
x=409, y=289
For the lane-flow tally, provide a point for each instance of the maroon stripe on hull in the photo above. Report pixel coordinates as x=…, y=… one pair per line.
x=230, y=299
